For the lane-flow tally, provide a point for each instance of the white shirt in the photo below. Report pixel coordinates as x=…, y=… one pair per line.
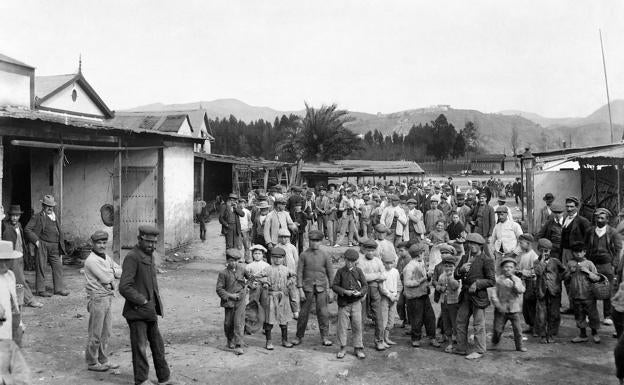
x=506, y=234
x=569, y=220
x=7, y=291
x=52, y=216
x=391, y=284
x=600, y=231
x=245, y=221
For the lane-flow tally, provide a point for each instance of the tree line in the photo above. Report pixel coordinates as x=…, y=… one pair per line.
x=321, y=135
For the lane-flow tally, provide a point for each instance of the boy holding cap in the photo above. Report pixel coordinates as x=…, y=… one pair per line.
x=232, y=289
x=290, y=261
x=100, y=272
x=549, y=272
x=350, y=286
x=507, y=299
x=390, y=290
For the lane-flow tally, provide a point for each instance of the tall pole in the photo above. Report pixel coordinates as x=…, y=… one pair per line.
x=604, y=67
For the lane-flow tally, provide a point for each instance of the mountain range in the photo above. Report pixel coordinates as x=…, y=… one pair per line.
x=495, y=129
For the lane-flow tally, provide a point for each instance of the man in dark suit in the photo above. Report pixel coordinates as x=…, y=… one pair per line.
x=139, y=286
x=476, y=271
x=44, y=230
x=12, y=231
x=230, y=222
x=483, y=218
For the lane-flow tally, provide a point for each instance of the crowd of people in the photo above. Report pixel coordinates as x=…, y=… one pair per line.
x=412, y=243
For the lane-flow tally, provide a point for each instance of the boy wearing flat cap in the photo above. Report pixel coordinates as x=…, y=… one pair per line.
x=374, y=272
x=549, y=273
x=232, y=289
x=525, y=269
x=100, y=272
x=350, y=286
x=390, y=289
x=384, y=246
x=507, y=299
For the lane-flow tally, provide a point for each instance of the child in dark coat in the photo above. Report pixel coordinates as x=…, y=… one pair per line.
x=549, y=272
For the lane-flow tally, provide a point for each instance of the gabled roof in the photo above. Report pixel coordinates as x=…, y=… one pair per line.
x=48, y=86
x=172, y=123
x=7, y=59
x=155, y=119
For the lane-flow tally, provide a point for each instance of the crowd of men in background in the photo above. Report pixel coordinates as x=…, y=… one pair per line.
x=417, y=241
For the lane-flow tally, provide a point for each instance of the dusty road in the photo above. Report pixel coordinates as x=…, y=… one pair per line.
x=192, y=329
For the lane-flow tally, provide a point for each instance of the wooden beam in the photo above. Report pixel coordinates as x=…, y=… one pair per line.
x=235, y=180
x=619, y=190
x=1, y=170
x=118, y=169
x=59, y=163
x=266, y=179
x=595, y=187
x=202, y=171
x=160, y=201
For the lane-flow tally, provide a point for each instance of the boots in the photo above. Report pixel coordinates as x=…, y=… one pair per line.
x=269, y=344
x=285, y=342
x=387, y=338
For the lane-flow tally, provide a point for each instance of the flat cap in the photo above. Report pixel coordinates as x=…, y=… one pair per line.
x=280, y=200
x=434, y=199
x=482, y=194
x=233, y=254
x=351, y=255
x=556, y=208
x=501, y=209
x=602, y=210
x=387, y=258
x=505, y=260
x=502, y=198
x=394, y=198
x=99, y=236
x=403, y=245
x=278, y=252
x=369, y=244
x=233, y=196
x=380, y=228
x=315, y=235
x=446, y=249
x=475, y=238
x=416, y=249
x=578, y=246
x=411, y=201
x=544, y=243
x=449, y=259
x=526, y=237
x=573, y=199
x=283, y=232
x=258, y=247
x=296, y=188
x=148, y=232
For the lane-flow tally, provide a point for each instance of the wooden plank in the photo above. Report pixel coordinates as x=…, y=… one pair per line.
x=619, y=190
x=118, y=167
x=266, y=179
x=58, y=181
x=202, y=171
x=159, y=200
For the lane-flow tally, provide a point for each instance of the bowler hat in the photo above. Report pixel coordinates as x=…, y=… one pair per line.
x=549, y=197
x=7, y=252
x=48, y=200
x=15, y=210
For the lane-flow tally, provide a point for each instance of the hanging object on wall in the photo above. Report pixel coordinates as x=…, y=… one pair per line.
x=108, y=214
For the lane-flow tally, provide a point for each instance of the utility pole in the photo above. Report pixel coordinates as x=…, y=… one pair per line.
x=604, y=67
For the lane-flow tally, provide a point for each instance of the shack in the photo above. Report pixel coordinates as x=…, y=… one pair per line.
x=359, y=170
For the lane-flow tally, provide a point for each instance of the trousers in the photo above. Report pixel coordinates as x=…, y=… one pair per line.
x=143, y=333
x=548, y=315
x=466, y=310
x=584, y=309
x=48, y=253
x=322, y=314
x=388, y=313
x=421, y=313
x=373, y=309
x=17, y=267
x=100, y=328
x=500, y=320
x=449, y=318
x=350, y=315
x=234, y=322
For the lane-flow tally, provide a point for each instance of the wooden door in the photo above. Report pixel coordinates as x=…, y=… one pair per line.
x=139, y=202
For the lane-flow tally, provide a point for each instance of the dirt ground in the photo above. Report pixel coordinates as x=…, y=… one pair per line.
x=192, y=328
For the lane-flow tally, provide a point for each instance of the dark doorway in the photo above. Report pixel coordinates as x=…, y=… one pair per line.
x=16, y=183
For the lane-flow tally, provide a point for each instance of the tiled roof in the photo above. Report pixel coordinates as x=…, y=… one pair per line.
x=172, y=123
x=45, y=85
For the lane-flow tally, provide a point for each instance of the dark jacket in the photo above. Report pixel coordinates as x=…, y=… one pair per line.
x=346, y=279
x=551, y=231
x=229, y=219
x=614, y=246
x=575, y=232
x=9, y=234
x=484, y=226
x=549, y=276
x=34, y=228
x=482, y=272
x=231, y=282
x=138, y=283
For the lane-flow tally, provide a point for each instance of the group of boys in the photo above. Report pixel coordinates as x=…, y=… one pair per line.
x=487, y=261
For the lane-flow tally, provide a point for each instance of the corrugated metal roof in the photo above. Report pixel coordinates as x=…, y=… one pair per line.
x=252, y=162
x=89, y=124
x=8, y=59
x=45, y=85
x=362, y=168
x=612, y=155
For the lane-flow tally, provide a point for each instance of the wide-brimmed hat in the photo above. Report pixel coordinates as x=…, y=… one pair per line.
x=7, y=252
x=15, y=210
x=48, y=200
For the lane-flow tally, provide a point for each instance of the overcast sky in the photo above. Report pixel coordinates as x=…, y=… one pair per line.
x=372, y=56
